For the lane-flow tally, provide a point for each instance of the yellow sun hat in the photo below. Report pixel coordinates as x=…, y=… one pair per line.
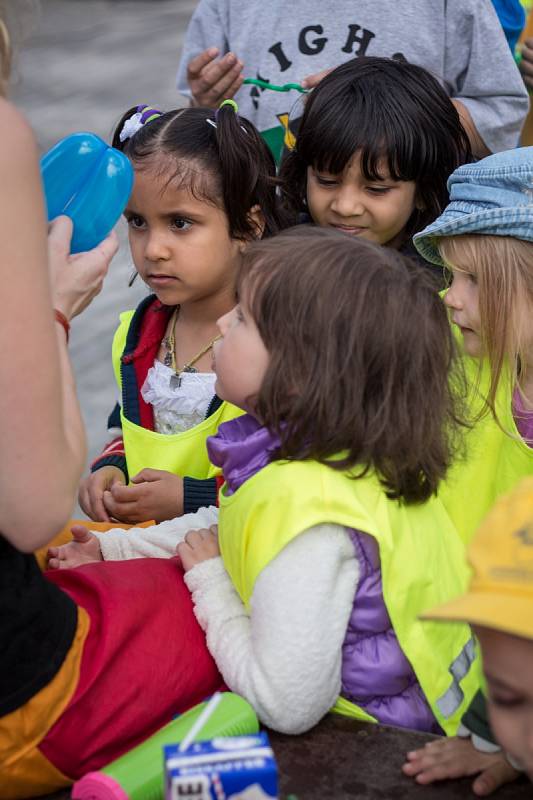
x=501, y=556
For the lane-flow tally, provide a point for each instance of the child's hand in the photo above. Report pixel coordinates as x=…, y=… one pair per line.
x=198, y=546
x=455, y=757
x=155, y=494
x=84, y=549
x=92, y=488
x=212, y=81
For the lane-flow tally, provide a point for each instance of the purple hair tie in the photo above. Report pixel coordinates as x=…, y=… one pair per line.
x=143, y=114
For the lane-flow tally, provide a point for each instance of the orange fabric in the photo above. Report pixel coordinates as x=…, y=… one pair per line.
x=24, y=771
x=65, y=536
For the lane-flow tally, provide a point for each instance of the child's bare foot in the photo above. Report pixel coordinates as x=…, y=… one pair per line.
x=455, y=757
x=83, y=549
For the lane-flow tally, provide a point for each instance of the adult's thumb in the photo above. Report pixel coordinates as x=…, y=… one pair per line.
x=60, y=234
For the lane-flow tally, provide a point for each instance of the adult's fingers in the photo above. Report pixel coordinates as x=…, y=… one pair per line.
x=60, y=234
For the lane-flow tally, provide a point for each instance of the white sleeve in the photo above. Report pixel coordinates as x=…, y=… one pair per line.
x=206, y=29
x=480, y=71
x=285, y=657
x=157, y=541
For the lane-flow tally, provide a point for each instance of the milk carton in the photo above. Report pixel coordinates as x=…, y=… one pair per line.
x=225, y=768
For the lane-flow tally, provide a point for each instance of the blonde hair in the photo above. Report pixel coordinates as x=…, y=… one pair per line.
x=504, y=270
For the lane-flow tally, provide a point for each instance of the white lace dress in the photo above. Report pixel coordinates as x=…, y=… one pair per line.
x=177, y=408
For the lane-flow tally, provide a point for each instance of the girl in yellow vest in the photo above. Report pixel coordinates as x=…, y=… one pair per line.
x=204, y=186
x=331, y=539
x=485, y=237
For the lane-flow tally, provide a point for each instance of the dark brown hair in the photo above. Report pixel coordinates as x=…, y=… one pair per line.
x=226, y=163
x=386, y=109
x=361, y=373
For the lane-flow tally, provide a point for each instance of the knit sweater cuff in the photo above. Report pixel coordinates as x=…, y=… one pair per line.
x=111, y=461
x=198, y=494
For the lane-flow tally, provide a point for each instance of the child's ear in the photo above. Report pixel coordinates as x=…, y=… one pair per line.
x=419, y=203
x=257, y=220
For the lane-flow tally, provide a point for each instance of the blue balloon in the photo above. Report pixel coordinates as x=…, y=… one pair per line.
x=88, y=181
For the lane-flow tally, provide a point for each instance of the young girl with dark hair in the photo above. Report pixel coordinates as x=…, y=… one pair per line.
x=376, y=144
x=204, y=187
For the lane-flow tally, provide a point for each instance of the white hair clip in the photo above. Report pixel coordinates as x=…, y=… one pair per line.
x=214, y=125
x=131, y=126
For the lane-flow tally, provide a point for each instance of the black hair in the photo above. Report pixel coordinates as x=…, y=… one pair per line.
x=219, y=156
x=385, y=109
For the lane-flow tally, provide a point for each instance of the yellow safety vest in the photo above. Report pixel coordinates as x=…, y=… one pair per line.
x=495, y=460
x=183, y=453
x=422, y=557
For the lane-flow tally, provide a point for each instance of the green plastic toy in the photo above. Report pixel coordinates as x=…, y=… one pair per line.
x=138, y=775
x=286, y=87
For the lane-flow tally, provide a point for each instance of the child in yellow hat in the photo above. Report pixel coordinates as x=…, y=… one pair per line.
x=499, y=606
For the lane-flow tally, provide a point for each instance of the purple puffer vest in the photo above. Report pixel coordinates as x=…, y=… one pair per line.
x=375, y=672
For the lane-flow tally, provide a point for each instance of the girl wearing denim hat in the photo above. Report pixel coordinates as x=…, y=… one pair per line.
x=485, y=238
x=376, y=144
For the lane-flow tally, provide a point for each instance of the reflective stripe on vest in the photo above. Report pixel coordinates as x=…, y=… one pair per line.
x=422, y=563
x=181, y=453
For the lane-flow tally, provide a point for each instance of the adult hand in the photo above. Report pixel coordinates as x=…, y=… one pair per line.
x=92, y=488
x=311, y=81
x=198, y=546
x=83, y=549
x=153, y=494
x=76, y=279
x=526, y=65
x=212, y=81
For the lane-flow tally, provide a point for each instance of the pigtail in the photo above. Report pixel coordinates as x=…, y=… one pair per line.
x=219, y=156
x=116, y=142
x=248, y=173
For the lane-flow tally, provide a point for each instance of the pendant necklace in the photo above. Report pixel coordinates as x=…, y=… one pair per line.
x=169, y=360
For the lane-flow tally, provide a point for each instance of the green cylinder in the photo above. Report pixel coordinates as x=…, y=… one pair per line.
x=138, y=775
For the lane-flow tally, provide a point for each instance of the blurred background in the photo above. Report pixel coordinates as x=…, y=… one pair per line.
x=79, y=65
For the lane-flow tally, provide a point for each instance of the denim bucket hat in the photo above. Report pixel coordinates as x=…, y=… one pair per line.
x=493, y=196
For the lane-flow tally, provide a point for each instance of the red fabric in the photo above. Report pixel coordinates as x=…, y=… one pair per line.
x=220, y=483
x=152, y=330
x=113, y=448
x=144, y=661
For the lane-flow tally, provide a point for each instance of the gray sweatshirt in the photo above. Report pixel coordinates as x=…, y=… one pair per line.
x=460, y=41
